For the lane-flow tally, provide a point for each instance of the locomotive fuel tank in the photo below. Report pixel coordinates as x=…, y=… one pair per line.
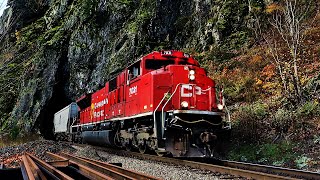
x=103, y=138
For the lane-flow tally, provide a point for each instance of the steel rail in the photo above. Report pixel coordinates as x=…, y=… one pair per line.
x=109, y=169
x=23, y=171
x=133, y=174
x=59, y=163
x=58, y=160
x=198, y=165
x=89, y=170
x=35, y=169
x=278, y=170
x=257, y=167
x=49, y=168
x=27, y=174
x=82, y=169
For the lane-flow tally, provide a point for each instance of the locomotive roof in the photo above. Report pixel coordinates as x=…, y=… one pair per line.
x=165, y=54
x=155, y=55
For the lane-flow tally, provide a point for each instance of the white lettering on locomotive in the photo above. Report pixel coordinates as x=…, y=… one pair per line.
x=101, y=103
x=133, y=90
x=98, y=114
x=186, y=90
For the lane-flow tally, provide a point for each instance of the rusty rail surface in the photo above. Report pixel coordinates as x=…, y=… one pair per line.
x=109, y=168
x=277, y=170
x=50, y=170
x=69, y=167
x=247, y=170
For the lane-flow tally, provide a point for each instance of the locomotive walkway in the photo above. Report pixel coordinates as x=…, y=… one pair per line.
x=68, y=167
x=224, y=168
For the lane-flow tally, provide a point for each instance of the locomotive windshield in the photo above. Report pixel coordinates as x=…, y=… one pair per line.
x=157, y=64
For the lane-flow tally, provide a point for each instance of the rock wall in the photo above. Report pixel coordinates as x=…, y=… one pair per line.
x=57, y=50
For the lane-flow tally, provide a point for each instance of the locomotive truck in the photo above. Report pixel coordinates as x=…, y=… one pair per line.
x=164, y=102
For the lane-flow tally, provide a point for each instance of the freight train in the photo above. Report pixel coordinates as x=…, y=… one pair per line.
x=164, y=103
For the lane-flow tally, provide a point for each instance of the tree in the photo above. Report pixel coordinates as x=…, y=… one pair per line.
x=288, y=26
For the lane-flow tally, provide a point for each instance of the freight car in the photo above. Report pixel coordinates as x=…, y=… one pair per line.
x=164, y=102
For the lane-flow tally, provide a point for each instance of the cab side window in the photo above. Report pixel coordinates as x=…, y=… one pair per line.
x=134, y=71
x=154, y=64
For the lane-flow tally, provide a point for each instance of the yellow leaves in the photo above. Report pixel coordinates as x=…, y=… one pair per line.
x=268, y=71
x=304, y=79
x=270, y=85
x=256, y=59
x=273, y=7
x=258, y=81
x=224, y=71
x=18, y=35
x=7, y=56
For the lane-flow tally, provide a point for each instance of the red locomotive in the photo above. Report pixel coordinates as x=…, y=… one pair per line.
x=163, y=102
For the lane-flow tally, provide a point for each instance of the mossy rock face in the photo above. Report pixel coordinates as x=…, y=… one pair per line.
x=74, y=46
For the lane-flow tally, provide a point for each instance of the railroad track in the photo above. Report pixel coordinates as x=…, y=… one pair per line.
x=237, y=169
x=68, y=167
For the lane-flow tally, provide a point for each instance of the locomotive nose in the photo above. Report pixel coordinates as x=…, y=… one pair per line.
x=207, y=137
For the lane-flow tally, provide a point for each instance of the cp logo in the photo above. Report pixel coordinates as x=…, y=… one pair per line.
x=187, y=90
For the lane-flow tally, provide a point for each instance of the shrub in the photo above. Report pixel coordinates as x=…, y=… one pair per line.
x=269, y=153
x=244, y=153
x=248, y=124
x=276, y=153
x=302, y=162
x=309, y=109
x=282, y=120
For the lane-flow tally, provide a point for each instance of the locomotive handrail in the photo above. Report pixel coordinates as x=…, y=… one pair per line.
x=154, y=112
x=229, y=118
x=162, y=118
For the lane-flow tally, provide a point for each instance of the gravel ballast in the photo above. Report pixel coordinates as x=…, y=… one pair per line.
x=11, y=156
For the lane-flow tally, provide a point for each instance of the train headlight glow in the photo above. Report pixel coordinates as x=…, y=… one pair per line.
x=184, y=104
x=192, y=77
x=191, y=72
x=220, y=106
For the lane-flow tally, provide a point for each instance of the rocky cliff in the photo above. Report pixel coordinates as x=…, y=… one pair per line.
x=53, y=51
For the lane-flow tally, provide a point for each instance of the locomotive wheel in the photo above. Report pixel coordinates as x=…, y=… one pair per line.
x=128, y=147
x=160, y=153
x=143, y=148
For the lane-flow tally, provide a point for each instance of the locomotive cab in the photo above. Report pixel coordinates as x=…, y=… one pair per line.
x=189, y=119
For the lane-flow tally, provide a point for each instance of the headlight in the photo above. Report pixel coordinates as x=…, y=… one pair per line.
x=191, y=72
x=184, y=104
x=192, y=77
x=220, y=106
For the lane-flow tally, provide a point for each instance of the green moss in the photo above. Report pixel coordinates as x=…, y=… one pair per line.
x=127, y=2
x=133, y=27
x=29, y=34
x=14, y=132
x=87, y=9
x=143, y=14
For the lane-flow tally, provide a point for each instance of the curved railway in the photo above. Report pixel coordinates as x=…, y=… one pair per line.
x=223, y=167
